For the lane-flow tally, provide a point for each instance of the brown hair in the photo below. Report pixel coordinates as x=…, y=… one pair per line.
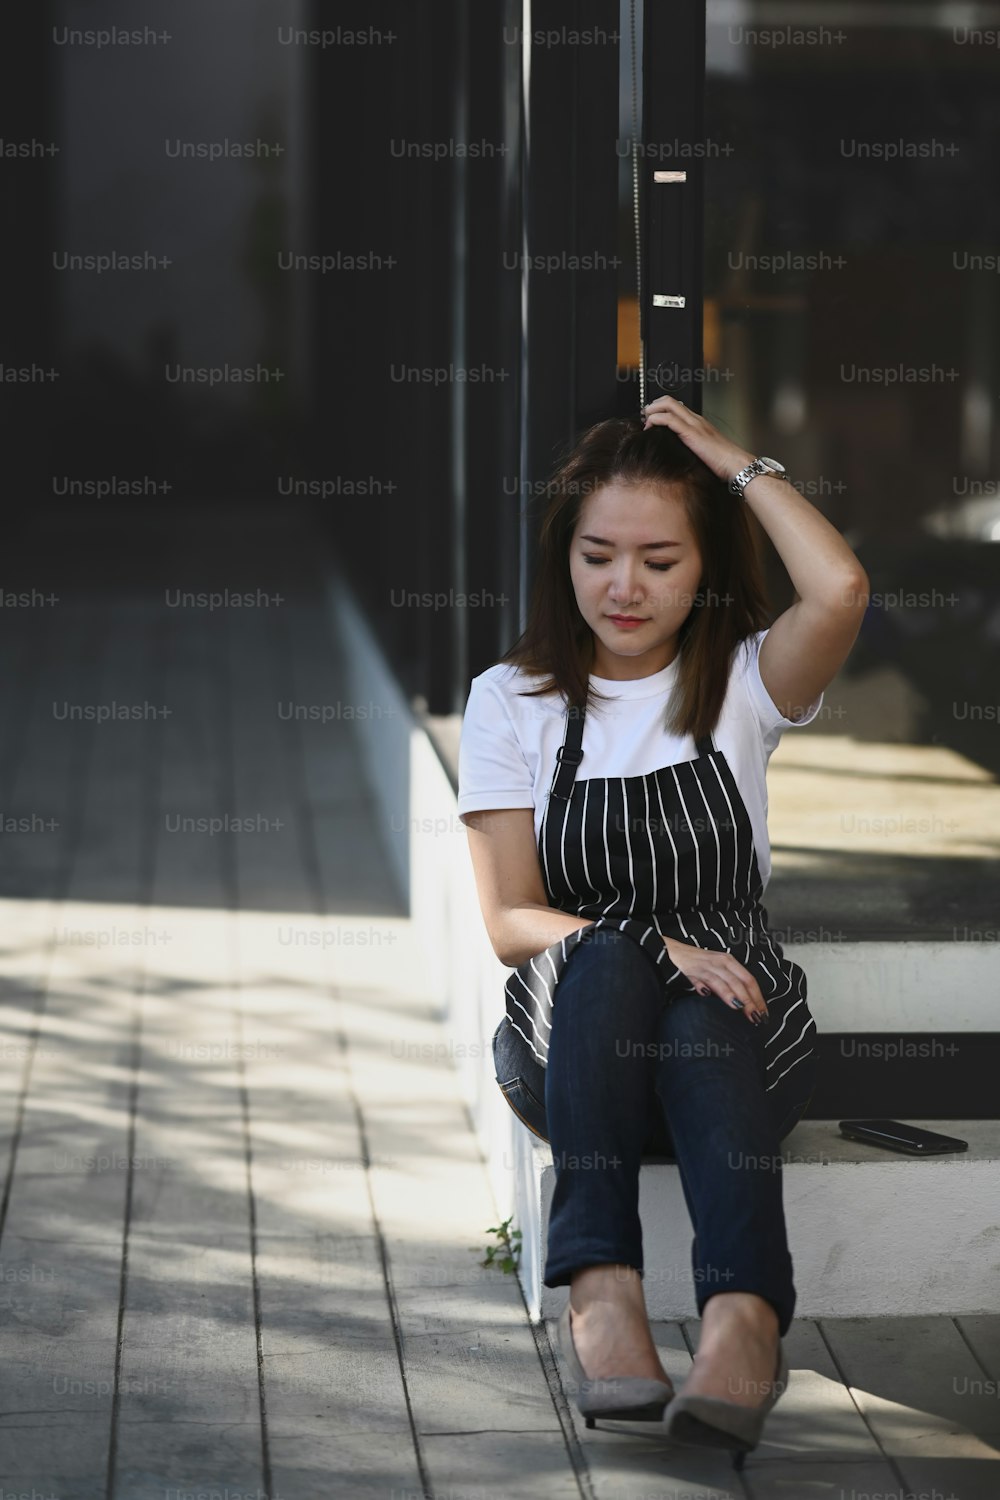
x=730, y=605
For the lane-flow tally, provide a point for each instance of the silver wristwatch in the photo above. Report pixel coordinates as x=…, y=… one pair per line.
x=759, y=466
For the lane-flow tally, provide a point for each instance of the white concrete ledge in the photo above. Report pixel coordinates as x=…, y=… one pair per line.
x=901, y=986
x=417, y=809
x=871, y=1233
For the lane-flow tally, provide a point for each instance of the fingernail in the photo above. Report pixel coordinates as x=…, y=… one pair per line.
x=737, y=1002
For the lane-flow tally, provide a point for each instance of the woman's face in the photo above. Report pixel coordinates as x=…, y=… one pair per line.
x=615, y=571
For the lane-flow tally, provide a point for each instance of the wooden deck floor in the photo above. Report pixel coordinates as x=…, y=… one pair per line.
x=243, y=1207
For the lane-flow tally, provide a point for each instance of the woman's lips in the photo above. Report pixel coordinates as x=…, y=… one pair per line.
x=625, y=622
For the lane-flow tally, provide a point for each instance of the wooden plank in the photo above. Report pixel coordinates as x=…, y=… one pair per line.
x=26, y=934
x=23, y=652
x=517, y=1466
x=311, y=689
x=331, y=1369
x=190, y=1413
x=914, y=1381
x=982, y=1333
x=68, y=1190
x=39, y=785
x=190, y=870
x=41, y=1458
x=469, y=1354
x=355, y=875
x=51, y=757
x=337, y=1413
x=272, y=863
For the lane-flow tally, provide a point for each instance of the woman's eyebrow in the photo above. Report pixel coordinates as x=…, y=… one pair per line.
x=643, y=546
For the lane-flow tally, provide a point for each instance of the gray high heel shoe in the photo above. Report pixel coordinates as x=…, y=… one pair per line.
x=630, y=1398
x=711, y=1422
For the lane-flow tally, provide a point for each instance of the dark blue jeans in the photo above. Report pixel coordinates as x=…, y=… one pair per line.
x=632, y=1074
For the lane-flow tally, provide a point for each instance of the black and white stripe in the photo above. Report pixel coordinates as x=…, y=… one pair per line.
x=665, y=854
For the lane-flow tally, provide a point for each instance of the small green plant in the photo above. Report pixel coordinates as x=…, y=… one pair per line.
x=506, y=1254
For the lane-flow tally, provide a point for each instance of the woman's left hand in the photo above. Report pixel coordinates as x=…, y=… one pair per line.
x=724, y=458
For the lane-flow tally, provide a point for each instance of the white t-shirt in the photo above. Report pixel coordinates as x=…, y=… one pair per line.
x=507, y=751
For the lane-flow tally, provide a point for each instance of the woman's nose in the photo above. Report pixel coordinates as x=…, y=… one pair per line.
x=624, y=587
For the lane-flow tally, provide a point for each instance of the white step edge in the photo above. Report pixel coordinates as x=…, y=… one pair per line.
x=901, y=986
x=871, y=1233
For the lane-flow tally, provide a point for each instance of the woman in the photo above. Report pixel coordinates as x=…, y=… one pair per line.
x=634, y=890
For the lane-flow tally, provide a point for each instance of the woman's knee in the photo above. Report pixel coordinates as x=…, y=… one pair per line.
x=611, y=962
x=607, y=1007
x=706, y=1024
x=700, y=1041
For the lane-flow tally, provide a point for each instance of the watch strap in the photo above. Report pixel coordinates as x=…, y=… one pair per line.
x=740, y=481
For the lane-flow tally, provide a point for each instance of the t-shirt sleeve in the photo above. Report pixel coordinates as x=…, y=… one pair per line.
x=764, y=709
x=492, y=769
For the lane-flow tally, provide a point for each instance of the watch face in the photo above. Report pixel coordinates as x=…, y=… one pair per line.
x=773, y=465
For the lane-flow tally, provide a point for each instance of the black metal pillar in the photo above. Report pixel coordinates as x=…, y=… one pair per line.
x=34, y=374
x=569, y=240
x=671, y=167
x=492, y=313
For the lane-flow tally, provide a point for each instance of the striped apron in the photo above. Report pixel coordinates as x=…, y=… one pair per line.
x=666, y=854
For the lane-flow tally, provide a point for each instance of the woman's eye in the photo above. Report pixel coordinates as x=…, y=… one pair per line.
x=657, y=567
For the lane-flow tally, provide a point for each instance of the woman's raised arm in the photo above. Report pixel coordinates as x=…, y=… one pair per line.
x=809, y=642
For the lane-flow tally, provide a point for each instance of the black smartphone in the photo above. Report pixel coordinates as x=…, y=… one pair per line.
x=896, y=1137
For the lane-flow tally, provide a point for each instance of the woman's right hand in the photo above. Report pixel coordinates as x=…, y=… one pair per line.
x=713, y=972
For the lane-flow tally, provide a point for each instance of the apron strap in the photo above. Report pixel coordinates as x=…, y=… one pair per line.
x=569, y=755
